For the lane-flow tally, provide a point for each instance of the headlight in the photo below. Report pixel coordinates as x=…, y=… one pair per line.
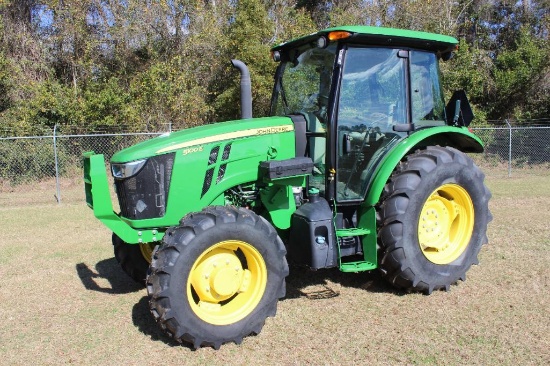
x=126, y=170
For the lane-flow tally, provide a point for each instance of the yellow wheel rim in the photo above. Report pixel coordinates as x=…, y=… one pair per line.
x=226, y=282
x=147, y=251
x=446, y=224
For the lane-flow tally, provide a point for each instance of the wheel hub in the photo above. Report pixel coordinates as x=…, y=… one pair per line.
x=219, y=276
x=446, y=223
x=228, y=281
x=434, y=223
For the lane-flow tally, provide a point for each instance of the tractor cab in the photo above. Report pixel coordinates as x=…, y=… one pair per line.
x=360, y=96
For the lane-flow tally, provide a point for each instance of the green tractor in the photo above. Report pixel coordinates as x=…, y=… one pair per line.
x=359, y=166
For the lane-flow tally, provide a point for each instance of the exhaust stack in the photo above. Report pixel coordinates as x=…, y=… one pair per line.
x=246, y=89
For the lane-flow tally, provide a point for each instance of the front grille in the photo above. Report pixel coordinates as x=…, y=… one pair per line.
x=144, y=195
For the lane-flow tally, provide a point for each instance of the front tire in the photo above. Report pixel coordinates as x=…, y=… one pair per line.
x=133, y=258
x=433, y=220
x=217, y=276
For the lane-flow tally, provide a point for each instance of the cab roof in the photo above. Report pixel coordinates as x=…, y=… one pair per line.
x=380, y=36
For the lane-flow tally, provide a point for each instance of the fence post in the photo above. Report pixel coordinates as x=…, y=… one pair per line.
x=58, y=190
x=509, y=148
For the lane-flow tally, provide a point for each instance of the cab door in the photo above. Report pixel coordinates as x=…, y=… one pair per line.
x=372, y=100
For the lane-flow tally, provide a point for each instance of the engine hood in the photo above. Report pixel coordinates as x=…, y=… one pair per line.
x=195, y=138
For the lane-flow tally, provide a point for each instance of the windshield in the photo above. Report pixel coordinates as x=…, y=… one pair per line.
x=303, y=87
x=304, y=84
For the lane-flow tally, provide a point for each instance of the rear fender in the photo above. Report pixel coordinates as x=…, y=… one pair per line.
x=458, y=137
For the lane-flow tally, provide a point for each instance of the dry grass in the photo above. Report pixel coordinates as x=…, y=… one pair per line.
x=64, y=299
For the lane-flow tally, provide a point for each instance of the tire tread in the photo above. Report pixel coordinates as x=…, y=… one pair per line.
x=392, y=217
x=165, y=257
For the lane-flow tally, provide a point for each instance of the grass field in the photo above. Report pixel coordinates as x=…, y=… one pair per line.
x=64, y=300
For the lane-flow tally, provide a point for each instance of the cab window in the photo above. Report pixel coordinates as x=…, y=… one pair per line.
x=428, y=107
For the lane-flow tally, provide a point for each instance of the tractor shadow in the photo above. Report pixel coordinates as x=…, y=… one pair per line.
x=106, y=277
x=298, y=285
x=315, y=285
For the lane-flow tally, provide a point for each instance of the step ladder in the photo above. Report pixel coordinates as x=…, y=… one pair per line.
x=369, y=254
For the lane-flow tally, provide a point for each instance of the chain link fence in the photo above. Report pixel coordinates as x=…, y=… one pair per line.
x=516, y=147
x=57, y=154
x=27, y=160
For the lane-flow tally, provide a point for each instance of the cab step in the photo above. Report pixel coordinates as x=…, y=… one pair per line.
x=357, y=266
x=360, y=266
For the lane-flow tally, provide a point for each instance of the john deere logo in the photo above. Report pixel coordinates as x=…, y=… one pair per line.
x=272, y=130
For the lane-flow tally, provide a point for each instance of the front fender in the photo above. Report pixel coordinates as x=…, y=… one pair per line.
x=458, y=137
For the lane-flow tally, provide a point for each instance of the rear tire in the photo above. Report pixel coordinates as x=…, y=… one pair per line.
x=217, y=276
x=432, y=220
x=133, y=258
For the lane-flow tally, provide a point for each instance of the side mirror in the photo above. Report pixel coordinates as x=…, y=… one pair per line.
x=458, y=110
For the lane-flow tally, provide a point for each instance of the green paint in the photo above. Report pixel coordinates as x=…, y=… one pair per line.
x=98, y=198
x=193, y=138
x=395, y=33
x=278, y=199
x=436, y=42
x=458, y=137
x=367, y=220
x=279, y=202
x=261, y=138
x=366, y=228
x=352, y=232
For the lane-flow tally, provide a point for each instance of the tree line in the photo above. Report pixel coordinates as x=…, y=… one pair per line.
x=140, y=65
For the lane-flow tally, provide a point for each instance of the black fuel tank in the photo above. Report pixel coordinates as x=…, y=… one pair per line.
x=312, y=240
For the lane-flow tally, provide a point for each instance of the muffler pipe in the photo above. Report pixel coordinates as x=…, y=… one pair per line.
x=246, y=89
